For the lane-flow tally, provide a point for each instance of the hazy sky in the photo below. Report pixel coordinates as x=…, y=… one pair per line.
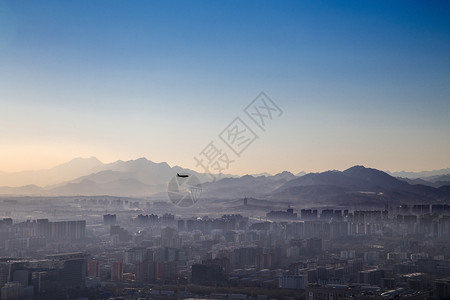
x=360, y=82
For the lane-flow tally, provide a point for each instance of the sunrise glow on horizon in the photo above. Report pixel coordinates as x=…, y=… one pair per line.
x=359, y=83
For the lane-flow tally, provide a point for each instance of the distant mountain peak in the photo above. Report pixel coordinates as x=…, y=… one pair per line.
x=91, y=158
x=358, y=167
x=301, y=173
x=421, y=174
x=360, y=170
x=262, y=174
x=67, y=171
x=140, y=159
x=142, y=177
x=284, y=173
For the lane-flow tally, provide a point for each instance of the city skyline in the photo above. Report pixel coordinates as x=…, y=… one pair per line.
x=360, y=83
x=232, y=149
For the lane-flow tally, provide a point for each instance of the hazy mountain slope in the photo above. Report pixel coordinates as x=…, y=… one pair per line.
x=438, y=178
x=120, y=187
x=246, y=186
x=28, y=190
x=435, y=184
x=375, y=178
x=355, y=178
x=334, y=178
x=141, y=178
x=423, y=174
x=68, y=171
x=146, y=171
x=356, y=185
x=416, y=181
x=137, y=178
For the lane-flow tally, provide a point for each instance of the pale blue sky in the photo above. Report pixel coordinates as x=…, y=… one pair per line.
x=360, y=82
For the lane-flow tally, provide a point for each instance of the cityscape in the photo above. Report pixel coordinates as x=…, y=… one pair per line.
x=226, y=149
x=104, y=247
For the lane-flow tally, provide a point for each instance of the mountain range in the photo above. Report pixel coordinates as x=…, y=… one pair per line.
x=422, y=174
x=134, y=178
x=73, y=169
x=144, y=178
x=355, y=186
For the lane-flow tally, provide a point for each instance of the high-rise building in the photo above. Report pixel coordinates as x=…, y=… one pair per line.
x=62, y=230
x=109, y=219
x=22, y=276
x=73, y=272
x=297, y=282
x=117, y=271
x=145, y=272
x=94, y=268
x=442, y=288
x=12, y=291
x=135, y=255
x=4, y=273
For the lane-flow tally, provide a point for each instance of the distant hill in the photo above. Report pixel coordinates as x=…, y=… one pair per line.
x=134, y=178
x=261, y=174
x=438, y=178
x=246, y=186
x=139, y=177
x=301, y=173
x=434, y=181
x=67, y=171
x=357, y=185
x=423, y=174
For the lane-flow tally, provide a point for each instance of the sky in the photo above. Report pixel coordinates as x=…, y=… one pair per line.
x=358, y=82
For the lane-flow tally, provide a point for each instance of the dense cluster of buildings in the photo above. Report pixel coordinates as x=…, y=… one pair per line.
x=400, y=253
x=24, y=278
x=21, y=238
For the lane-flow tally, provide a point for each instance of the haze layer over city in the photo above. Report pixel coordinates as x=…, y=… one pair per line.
x=224, y=150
